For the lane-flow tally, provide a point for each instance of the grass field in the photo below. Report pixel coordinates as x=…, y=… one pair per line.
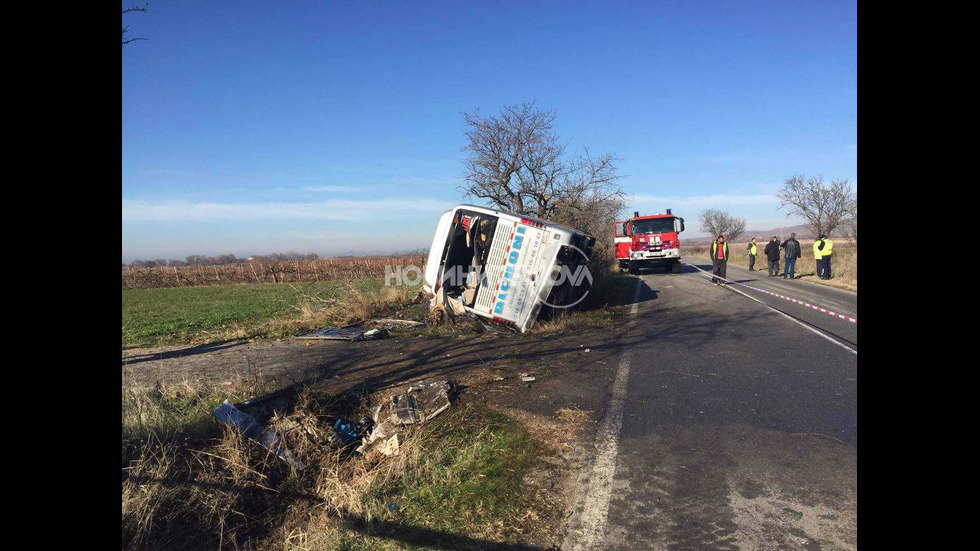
x=190, y=483
x=154, y=317
x=194, y=315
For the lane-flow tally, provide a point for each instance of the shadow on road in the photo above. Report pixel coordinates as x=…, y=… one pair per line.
x=205, y=348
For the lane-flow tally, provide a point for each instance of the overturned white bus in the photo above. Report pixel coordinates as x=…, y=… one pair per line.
x=507, y=267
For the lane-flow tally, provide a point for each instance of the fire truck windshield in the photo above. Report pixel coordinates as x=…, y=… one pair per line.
x=653, y=225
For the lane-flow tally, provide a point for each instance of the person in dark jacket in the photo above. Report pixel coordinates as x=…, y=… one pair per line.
x=719, y=260
x=793, y=252
x=772, y=255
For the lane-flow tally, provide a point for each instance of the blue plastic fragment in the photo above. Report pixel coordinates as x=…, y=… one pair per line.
x=345, y=430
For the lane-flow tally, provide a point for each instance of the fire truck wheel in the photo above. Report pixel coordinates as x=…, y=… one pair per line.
x=634, y=269
x=675, y=267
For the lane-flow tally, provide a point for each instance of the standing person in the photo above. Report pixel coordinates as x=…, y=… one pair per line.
x=772, y=255
x=818, y=255
x=719, y=259
x=753, y=250
x=793, y=252
x=826, y=249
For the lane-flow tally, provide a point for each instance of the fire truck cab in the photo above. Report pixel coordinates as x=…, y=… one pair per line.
x=647, y=241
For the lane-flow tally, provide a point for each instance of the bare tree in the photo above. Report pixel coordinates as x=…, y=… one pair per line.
x=824, y=208
x=516, y=161
x=716, y=222
x=134, y=8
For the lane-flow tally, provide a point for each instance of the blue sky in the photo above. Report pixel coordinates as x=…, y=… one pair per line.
x=336, y=127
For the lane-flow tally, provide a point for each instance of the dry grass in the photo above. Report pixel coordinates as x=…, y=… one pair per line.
x=603, y=306
x=202, y=485
x=352, y=304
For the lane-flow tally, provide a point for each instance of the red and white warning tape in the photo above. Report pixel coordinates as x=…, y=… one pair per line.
x=800, y=302
x=804, y=303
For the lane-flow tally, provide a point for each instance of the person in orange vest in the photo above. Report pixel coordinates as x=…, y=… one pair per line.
x=719, y=260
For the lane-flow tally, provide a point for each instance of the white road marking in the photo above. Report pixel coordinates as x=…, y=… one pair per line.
x=590, y=529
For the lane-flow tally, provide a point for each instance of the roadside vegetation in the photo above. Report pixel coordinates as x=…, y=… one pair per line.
x=189, y=482
x=199, y=271
x=843, y=266
x=196, y=315
x=193, y=315
x=606, y=304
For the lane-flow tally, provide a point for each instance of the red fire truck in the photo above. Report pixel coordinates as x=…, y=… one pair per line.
x=647, y=241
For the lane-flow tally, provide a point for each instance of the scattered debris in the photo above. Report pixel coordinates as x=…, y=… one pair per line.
x=251, y=428
x=397, y=322
x=343, y=430
x=404, y=410
x=525, y=378
x=272, y=420
x=418, y=405
x=587, y=350
x=351, y=333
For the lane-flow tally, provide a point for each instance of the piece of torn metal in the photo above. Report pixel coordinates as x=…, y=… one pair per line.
x=251, y=428
x=344, y=334
x=397, y=322
x=381, y=433
x=404, y=410
x=419, y=404
x=431, y=399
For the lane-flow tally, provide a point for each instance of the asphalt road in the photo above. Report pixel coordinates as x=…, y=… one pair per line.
x=735, y=426
x=738, y=425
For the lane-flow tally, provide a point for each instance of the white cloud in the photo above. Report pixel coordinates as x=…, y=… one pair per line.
x=138, y=210
x=707, y=201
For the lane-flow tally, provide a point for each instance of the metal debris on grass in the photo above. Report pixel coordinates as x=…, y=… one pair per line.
x=392, y=322
x=354, y=333
x=251, y=428
x=267, y=420
x=419, y=404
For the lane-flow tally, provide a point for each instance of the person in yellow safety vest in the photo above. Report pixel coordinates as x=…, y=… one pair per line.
x=826, y=249
x=719, y=260
x=752, y=252
x=817, y=257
